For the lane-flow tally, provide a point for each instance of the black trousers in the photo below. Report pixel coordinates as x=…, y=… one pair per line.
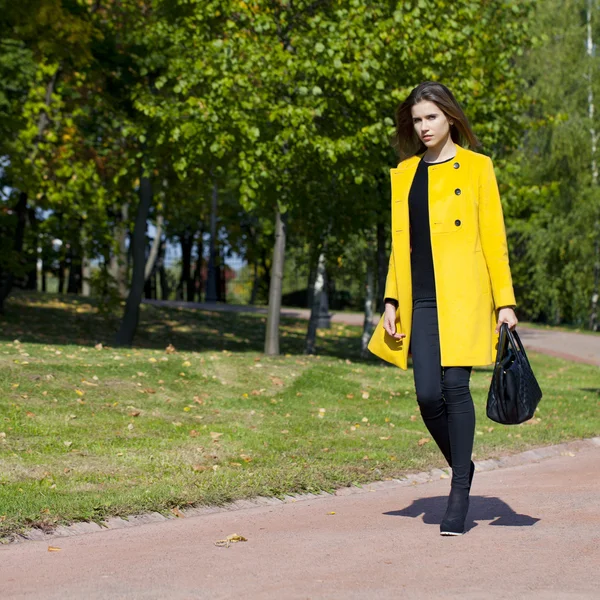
x=442, y=393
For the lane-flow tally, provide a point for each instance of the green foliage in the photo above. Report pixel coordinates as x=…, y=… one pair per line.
x=551, y=202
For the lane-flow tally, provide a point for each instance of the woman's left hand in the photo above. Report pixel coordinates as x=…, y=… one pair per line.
x=506, y=315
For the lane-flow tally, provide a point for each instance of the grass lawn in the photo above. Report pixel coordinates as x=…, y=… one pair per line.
x=195, y=414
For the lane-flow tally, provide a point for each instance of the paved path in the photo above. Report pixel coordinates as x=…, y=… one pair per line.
x=580, y=347
x=533, y=532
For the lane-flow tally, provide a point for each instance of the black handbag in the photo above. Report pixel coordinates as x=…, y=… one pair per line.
x=514, y=391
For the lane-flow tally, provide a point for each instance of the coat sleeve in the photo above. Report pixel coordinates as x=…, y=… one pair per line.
x=391, y=286
x=492, y=234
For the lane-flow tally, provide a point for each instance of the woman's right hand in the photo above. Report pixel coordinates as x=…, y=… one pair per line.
x=389, y=321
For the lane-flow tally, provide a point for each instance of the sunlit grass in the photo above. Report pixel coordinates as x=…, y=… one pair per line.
x=195, y=414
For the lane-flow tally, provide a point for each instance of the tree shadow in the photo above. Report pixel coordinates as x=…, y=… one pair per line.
x=481, y=508
x=592, y=390
x=53, y=319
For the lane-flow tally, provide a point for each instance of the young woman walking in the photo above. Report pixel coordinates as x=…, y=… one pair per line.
x=449, y=286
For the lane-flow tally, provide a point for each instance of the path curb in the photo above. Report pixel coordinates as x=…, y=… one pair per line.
x=514, y=460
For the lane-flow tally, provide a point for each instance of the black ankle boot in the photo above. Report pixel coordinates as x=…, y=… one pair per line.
x=453, y=522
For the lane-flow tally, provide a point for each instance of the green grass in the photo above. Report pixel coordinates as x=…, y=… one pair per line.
x=89, y=431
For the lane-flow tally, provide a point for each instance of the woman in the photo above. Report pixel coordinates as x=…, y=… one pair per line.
x=449, y=286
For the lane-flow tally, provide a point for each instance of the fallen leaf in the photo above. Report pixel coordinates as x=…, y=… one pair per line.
x=331, y=513
x=276, y=380
x=68, y=444
x=186, y=363
x=98, y=346
x=135, y=413
x=423, y=441
x=194, y=433
x=214, y=435
x=365, y=395
x=53, y=549
x=230, y=539
x=177, y=513
x=413, y=417
x=170, y=349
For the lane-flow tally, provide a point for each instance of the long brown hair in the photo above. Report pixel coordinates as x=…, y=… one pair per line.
x=407, y=141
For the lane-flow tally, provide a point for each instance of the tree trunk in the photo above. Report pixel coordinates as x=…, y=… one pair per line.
x=31, y=283
x=369, y=304
x=44, y=278
x=212, y=283
x=21, y=212
x=273, y=313
x=198, y=269
x=62, y=267
x=86, y=273
x=165, y=291
x=155, y=247
x=131, y=315
x=86, y=268
x=319, y=309
x=118, y=261
x=186, y=240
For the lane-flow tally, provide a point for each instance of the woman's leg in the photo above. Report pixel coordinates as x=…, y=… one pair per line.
x=427, y=371
x=461, y=422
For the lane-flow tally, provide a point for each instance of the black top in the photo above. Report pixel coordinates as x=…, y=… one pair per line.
x=421, y=258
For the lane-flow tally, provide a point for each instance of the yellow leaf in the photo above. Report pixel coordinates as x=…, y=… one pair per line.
x=79, y=392
x=186, y=409
x=53, y=549
x=331, y=513
x=365, y=395
x=234, y=537
x=186, y=363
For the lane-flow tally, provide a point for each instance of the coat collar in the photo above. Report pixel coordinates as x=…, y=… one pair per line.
x=411, y=164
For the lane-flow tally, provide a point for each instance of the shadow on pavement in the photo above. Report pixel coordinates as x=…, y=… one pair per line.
x=481, y=508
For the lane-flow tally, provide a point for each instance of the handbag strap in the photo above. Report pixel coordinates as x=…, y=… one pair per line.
x=515, y=342
x=501, y=343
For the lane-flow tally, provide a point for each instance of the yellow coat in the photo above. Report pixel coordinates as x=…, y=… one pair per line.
x=470, y=260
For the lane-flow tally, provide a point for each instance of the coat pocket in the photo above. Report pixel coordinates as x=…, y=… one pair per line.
x=447, y=216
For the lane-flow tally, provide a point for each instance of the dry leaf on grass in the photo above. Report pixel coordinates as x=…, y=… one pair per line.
x=423, y=441
x=230, y=539
x=276, y=380
x=214, y=435
x=177, y=513
x=170, y=349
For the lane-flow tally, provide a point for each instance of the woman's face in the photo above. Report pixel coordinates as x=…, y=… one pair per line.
x=430, y=123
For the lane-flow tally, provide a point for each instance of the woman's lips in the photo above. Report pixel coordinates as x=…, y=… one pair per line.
x=427, y=137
